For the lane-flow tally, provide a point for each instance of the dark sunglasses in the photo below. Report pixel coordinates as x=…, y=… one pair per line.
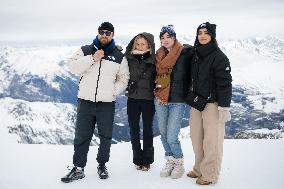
x=102, y=32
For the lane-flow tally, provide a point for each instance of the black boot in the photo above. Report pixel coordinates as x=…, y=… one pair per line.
x=75, y=174
x=102, y=171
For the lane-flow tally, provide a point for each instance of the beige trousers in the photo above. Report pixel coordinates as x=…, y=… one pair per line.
x=207, y=136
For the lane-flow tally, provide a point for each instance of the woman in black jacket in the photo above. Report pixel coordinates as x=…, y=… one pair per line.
x=140, y=54
x=210, y=98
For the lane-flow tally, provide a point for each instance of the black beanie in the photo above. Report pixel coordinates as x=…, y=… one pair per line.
x=106, y=26
x=210, y=27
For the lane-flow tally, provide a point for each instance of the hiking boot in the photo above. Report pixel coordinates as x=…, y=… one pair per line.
x=102, y=171
x=178, y=170
x=168, y=167
x=74, y=174
x=200, y=181
x=145, y=167
x=191, y=174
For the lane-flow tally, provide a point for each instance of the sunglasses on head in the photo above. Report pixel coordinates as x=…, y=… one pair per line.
x=102, y=32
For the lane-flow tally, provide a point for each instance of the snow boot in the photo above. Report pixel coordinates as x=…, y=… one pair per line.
x=178, y=169
x=168, y=167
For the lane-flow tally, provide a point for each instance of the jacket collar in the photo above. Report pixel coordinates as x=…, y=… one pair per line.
x=205, y=50
x=107, y=48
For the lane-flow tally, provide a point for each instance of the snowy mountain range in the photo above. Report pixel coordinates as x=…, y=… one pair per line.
x=38, y=93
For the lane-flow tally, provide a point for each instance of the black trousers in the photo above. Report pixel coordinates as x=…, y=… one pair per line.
x=88, y=114
x=136, y=107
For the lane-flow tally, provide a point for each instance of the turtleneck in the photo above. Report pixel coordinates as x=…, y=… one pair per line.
x=206, y=49
x=143, y=56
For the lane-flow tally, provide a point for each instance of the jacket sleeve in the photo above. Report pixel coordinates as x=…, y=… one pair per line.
x=79, y=63
x=223, y=81
x=122, y=77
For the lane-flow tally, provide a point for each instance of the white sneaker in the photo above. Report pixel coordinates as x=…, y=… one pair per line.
x=178, y=169
x=168, y=167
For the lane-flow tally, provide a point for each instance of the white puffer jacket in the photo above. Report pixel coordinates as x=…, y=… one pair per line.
x=102, y=80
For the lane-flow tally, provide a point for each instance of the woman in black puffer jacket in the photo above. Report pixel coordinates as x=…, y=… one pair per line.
x=211, y=84
x=140, y=54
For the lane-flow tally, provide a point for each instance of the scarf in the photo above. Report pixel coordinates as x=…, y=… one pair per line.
x=165, y=61
x=106, y=48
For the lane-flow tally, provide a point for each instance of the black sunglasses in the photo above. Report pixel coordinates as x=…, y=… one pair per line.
x=102, y=32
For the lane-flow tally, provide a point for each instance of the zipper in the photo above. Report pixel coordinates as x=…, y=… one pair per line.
x=80, y=82
x=191, y=88
x=98, y=80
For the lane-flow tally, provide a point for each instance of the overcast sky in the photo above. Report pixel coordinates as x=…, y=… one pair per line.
x=64, y=19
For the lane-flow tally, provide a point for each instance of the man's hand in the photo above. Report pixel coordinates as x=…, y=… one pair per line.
x=99, y=54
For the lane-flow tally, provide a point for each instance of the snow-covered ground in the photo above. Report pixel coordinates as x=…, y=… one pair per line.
x=247, y=164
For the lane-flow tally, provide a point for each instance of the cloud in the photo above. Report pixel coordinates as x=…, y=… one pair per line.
x=39, y=19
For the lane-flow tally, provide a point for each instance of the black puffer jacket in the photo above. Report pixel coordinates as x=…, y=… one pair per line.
x=180, y=76
x=211, y=74
x=142, y=70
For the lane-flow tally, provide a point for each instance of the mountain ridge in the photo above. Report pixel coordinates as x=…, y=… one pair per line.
x=40, y=75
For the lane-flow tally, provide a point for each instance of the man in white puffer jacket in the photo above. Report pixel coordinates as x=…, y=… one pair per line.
x=104, y=75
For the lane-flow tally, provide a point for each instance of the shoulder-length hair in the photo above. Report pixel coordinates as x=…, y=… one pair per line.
x=139, y=37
